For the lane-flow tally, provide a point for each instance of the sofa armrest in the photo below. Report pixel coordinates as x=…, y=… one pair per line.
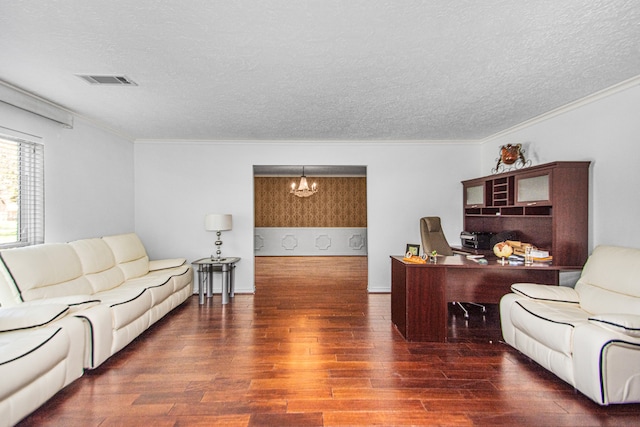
x=546, y=292
x=163, y=264
x=18, y=317
x=605, y=364
x=627, y=324
x=74, y=302
x=98, y=334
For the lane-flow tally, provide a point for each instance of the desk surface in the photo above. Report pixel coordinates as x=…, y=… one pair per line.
x=461, y=261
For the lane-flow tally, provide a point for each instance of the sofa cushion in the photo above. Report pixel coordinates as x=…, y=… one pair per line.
x=74, y=302
x=136, y=268
x=25, y=356
x=126, y=304
x=98, y=264
x=614, y=268
x=628, y=324
x=597, y=300
x=95, y=255
x=546, y=292
x=21, y=317
x=105, y=280
x=46, y=271
x=163, y=264
x=9, y=293
x=551, y=324
x=180, y=276
x=130, y=254
x=160, y=287
x=608, y=279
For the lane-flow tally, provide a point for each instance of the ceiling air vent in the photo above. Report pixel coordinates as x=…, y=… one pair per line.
x=107, y=80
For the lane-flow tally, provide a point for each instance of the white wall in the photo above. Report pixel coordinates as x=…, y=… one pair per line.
x=176, y=184
x=606, y=132
x=88, y=176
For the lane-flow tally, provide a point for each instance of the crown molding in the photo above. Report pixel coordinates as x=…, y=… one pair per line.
x=34, y=104
x=617, y=88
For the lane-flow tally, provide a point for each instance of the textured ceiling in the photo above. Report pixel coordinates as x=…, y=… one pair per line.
x=318, y=69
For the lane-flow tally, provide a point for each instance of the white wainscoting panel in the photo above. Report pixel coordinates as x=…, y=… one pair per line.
x=342, y=241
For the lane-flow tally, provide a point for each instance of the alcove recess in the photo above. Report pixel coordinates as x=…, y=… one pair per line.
x=547, y=205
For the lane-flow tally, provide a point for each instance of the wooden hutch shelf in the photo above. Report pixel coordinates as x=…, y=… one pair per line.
x=547, y=205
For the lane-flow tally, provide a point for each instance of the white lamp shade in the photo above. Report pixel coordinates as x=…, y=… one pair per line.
x=217, y=222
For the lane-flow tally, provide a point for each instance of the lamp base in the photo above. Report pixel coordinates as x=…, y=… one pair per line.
x=218, y=244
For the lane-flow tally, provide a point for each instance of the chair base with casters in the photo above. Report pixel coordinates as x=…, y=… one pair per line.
x=466, y=312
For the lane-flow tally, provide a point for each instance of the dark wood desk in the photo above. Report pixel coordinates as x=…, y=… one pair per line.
x=420, y=292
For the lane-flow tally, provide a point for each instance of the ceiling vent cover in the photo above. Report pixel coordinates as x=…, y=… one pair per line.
x=107, y=80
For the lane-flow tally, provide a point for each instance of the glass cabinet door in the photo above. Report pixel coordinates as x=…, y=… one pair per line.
x=533, y=188
x=474, y=195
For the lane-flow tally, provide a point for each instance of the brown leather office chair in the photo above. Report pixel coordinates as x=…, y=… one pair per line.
x=433, y=239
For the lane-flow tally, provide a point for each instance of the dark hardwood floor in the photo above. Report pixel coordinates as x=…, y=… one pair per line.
x=313, y=348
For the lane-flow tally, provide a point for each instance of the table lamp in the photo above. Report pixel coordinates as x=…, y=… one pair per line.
x=217, y=223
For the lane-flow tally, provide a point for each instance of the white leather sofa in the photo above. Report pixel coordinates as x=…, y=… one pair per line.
x=107, y=293
x=589, y=335
x=41, y=351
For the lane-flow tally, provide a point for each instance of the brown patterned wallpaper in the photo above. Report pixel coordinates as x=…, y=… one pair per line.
x=339, y=202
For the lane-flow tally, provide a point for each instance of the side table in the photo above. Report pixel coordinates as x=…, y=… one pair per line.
x=207, y=265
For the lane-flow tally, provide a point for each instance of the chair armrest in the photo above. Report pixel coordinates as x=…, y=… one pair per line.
x=546, y=292
x=163, y=264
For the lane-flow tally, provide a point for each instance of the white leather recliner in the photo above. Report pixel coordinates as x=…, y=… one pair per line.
x=589, y=335
x=42, y=350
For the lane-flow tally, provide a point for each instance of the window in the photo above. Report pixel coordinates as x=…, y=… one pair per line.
x=21, y=192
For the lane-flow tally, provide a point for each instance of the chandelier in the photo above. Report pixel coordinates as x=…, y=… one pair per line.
x=303, y=189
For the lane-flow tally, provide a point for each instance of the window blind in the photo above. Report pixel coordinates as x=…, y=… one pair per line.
x=21, y=192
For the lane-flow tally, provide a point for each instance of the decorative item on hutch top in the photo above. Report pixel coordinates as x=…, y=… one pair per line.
x=511, y=154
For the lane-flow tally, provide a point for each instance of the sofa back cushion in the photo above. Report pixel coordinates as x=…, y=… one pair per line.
x=9, y=293
x=46, y=271
x=130, y=255
x=609, y=281
x=98, y=264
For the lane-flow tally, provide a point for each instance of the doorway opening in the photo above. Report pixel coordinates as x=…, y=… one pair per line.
x=322, y=236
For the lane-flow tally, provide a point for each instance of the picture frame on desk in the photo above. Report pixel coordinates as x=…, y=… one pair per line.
x=413, y=249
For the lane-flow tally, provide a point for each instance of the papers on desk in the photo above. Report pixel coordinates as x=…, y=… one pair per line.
x=512, y=260
x=516, y=260
x=519, y=260
x=478, y=258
